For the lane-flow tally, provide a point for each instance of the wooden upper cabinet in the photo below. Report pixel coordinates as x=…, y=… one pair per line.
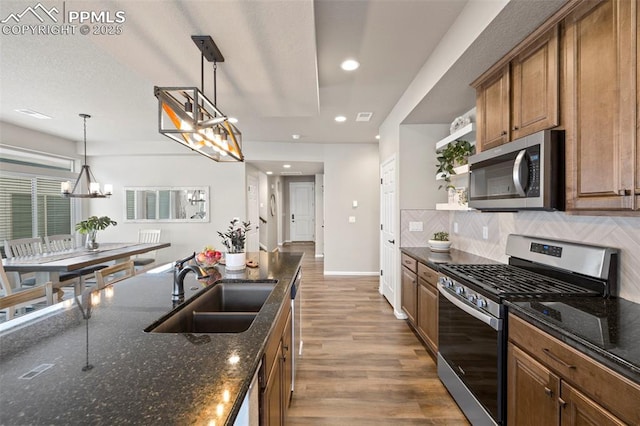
x=521, y=96
x=534, y=82
x=492, y=110
x=599, y=105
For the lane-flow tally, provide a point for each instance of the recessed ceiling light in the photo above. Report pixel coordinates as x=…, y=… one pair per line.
x=32, y=113
x=350, y=65
x=286, y=166
x=378, y=137
x=340, y=118
x=269, y=172
x=233, y=120
x=295, y=136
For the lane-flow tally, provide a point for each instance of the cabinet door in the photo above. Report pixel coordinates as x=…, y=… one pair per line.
x=272, y=394
x=428, y=314
x=492, y=110
x=578, y=409
x=534, y=82
x=600, y=101
x=287, y=365
x=409, y=294
x=532, y=391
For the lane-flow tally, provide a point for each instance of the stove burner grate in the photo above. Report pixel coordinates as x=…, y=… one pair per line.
x=508, y=280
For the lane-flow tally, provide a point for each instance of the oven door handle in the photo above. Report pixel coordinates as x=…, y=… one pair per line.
x=487, y=319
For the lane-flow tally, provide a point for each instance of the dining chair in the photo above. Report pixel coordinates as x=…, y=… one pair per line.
x=21, y=297
x=21, y=247
x=113, y=274
x=147, y=236
x=63, y=242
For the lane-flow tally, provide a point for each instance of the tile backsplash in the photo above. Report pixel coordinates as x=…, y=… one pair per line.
x=620, y=232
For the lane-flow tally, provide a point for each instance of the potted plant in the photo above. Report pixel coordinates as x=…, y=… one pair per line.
x=233, y=239
x=454, y=154
x=91, y=226
x=440, y=241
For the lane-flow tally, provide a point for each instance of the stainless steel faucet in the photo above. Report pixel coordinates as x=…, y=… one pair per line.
x=179, y=272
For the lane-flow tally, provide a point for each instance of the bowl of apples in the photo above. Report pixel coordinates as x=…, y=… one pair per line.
x=208, y=257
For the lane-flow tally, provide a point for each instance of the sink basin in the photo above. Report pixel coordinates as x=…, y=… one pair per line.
x=226, y=307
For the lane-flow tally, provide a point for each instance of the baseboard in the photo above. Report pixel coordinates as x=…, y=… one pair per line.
x=353, y=273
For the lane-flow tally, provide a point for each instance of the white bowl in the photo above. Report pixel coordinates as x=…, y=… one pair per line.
x=439, y=245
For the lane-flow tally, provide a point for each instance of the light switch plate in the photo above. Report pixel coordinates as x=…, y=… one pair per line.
x=352, y=219
x=455, y=227
x=415, y=226
x=485, y=232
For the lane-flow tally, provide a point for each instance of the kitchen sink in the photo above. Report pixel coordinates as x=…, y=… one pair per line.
x=225, y=307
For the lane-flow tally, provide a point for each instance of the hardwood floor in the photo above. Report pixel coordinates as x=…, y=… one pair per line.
x=361, y=365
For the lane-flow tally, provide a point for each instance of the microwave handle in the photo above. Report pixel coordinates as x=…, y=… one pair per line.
x=521, y=180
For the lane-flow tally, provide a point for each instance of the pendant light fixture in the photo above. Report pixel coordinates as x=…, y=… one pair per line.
x=189, y=118
x=92, y=187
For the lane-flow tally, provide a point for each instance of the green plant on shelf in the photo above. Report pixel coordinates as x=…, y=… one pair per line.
x=454, y=154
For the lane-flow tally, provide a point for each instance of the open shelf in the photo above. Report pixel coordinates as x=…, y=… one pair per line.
x=447, y=206
x=469, y=130
x=460, y=171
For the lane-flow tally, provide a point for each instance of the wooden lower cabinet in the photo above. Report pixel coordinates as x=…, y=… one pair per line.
x=420, y=300
x=277, y=371
x=551, y=383
x=409, y=284
x=427, y=324
x=578, y=409
x=272, y=395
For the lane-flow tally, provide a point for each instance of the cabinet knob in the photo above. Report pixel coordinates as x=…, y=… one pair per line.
x=504, y=132
x=548, y=391
x=562, y=402
x=624, y=192
x=515, y=127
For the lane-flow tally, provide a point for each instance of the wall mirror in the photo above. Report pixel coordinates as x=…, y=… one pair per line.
x=167, y=204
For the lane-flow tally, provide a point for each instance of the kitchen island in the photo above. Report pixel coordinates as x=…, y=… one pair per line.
x=136, y=377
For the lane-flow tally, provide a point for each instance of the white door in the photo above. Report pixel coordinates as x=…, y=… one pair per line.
x=253, y=214
x=302, y=211
x=388, y=240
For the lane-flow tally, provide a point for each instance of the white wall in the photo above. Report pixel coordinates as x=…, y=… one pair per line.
x=352, y=173
x=226, y=187
x=417, y=166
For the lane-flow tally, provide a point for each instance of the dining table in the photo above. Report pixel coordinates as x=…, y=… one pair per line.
x=48, y=266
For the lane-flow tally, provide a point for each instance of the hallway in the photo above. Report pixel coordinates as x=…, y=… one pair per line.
x=360, y=365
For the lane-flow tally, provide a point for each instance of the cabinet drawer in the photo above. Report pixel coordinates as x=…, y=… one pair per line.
x=608, y=388
x=409, y=262
x=428, y=274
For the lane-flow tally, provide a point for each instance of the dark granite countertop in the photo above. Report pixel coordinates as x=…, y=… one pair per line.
x=607, y=330
x=137, y=377
x=432, y=259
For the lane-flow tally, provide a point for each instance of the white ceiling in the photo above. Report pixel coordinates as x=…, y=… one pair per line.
x=281, y=74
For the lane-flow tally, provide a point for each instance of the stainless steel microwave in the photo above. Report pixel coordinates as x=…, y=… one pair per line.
x=526, y=174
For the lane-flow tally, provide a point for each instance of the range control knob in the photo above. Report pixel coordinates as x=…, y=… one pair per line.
x=472, y=298
x=445, y=281
x=481, y=303
x=460, y=290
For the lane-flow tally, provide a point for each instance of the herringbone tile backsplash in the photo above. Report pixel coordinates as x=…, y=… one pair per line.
x=620, y=232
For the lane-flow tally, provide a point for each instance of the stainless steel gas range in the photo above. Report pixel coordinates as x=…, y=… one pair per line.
x=472, y=319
